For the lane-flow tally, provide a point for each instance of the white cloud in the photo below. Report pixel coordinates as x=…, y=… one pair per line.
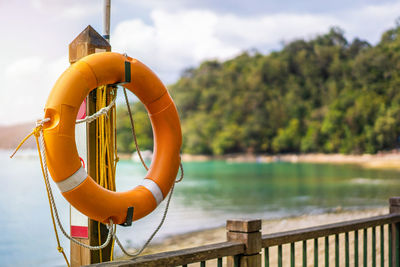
x=265, y=32
x=176, y=40
x=25, y=85
x=168, y=40
x=370, y=21
x=68, y=9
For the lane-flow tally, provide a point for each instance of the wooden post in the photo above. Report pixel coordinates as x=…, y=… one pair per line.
x=394, y=207
x=247, y=232
x=86, y=43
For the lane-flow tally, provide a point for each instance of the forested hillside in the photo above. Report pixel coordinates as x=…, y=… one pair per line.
x=327, y=95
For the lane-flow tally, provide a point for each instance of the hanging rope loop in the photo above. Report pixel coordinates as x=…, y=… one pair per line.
x=38, y=133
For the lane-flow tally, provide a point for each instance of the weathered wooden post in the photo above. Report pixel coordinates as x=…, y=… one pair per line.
x=394, y=207
x=247, y=232
x=86, y=43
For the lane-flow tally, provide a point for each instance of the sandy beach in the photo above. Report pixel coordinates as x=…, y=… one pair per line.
x=216, y=235
x=388, y=160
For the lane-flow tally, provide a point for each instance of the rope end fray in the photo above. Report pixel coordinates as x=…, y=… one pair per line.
x=35, y=132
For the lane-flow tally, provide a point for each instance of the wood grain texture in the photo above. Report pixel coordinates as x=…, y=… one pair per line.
x=248, y=233
x=325, y=230
x=244, y=225
x=394, y=205
x=252, y=241
x=250, y=261
x=79, y=255
x=394, y=208
x=181, y=257
x=85, y=44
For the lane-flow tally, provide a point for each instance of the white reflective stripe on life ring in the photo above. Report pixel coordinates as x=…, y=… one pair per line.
x=154, y=189
x=73, y=181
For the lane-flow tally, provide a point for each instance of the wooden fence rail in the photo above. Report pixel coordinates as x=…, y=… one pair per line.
x=184, y=256
x=327, y=230
x=380, y=237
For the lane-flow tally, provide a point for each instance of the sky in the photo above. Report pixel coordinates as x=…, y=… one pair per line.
x=168, y=36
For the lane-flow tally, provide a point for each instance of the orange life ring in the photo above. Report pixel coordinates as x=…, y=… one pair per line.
x=63, y=161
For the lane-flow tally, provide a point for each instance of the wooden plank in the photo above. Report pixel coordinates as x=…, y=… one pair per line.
x=394, y=203
x=250, y=261
x=394, y=208
x=181, y=257
x=79, y=255
x=248, y=233
x=246, y=226
x=325, y=230
x=252, y=241
x=86, y=43
x=204, y=253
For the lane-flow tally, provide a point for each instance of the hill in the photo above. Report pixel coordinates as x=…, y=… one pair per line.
x=325, y=95
x=10, y=136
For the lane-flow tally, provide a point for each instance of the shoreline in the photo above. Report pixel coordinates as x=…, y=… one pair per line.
x=216, y=235
x=382, y=160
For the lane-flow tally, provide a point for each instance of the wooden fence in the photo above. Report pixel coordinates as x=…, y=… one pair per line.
x=373, y=241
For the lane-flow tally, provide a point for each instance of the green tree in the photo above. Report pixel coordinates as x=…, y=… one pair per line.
x=326, y=94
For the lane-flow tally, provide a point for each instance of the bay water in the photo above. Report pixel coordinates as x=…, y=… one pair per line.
x=211, y=193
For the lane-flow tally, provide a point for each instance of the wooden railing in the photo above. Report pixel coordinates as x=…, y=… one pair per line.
x=340, y=232
x=245, y=245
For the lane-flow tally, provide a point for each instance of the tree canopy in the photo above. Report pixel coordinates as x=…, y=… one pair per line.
x=326, y=95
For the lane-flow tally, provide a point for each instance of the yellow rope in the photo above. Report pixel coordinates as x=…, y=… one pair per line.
x=106, y=158
x=22, y=142
x=36, y=133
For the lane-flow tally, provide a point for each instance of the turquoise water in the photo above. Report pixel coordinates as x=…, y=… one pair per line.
x=211, y=193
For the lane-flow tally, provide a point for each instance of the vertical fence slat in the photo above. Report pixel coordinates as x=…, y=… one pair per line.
x=382, y=245
x=365, y=250
x=394, y=208
x=326, y=251
x=292, y=254
x=373, y=246
x=219, y=262
x=316, y=252
x=236, y=261
x=356, y=248
x=397, y=239
x=337, y=250
x=346, y=249
x=280, y=256
x=375, y=224
x=266, y=256
x=377, y=228
x=390, y=245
